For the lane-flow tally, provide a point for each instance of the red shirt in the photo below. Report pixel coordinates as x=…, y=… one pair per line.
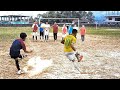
x=82, y=31
x=55, y=28
x=64, y=30
x=22, y=44
x=35, y=27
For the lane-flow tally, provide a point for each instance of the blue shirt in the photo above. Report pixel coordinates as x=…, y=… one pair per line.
x=41, y=29
x=70, y=30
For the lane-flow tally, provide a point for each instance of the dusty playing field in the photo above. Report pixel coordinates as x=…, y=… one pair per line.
x=101, y=59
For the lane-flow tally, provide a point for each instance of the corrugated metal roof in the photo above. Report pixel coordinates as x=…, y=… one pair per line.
x=14, y=16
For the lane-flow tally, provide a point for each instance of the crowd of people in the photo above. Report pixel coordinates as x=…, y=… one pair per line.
x=44, y=30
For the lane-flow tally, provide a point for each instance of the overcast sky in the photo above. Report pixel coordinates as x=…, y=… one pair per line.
x=27, y=13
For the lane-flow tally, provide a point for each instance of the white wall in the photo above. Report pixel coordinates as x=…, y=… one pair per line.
x=113, y=20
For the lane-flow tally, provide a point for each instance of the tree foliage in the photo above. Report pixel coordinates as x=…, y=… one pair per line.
x=82, y=15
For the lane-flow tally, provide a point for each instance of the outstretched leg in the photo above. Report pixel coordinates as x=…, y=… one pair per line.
x=17, y=64
x=79, y=57
x=18, y=67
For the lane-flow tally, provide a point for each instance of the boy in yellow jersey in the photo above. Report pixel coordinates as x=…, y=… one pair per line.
x=69, y=49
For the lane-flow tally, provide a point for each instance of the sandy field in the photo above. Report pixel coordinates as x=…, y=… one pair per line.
x=101, y=59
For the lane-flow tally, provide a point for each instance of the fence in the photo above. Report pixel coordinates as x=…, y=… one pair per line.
x=86, y=25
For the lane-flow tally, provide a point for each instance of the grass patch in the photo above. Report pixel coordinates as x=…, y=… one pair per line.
x=9, y=33
x=103, y=32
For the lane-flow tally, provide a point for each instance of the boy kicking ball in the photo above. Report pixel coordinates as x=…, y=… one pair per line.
x=69, y=47
x=15, y=48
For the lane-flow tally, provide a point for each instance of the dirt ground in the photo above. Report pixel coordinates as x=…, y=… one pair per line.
x=101, y=59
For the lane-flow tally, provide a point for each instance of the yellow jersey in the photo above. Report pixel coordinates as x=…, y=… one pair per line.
x=69, y=39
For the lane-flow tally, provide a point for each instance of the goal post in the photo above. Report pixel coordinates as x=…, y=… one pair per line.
x=60, y=19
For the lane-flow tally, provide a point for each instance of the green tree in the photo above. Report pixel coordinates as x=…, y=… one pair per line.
x=82, y=15
x=90, y=17
x=31, y=20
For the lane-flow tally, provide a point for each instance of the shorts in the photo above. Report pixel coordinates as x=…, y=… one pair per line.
x=63, y=35
x=34, y=33
x=15, y=57
x=70, y=55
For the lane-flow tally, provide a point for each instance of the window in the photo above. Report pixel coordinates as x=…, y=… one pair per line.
x=117, y=19
x=110, y=18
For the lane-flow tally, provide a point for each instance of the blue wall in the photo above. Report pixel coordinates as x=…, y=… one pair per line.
x=14, y=22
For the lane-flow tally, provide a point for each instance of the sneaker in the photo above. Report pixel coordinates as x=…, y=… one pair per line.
x=81, y=57
x=20, y=72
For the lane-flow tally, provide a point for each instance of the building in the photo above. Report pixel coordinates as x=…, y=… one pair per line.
x=14, y=19
x=112, y=18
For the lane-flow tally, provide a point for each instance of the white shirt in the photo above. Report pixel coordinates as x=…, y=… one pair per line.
x=47, y=28
x=75, y=28
x=63, y=28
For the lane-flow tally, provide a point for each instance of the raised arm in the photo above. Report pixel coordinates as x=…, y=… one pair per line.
x=24, y=48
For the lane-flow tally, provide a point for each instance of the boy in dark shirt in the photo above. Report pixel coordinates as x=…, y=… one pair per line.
x=15, y=48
